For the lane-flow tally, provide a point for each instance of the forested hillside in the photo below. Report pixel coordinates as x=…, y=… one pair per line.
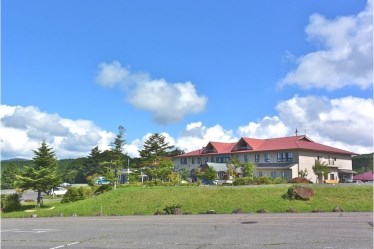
x=363, y=163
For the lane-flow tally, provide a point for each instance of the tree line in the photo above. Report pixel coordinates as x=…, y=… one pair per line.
x=44, y=171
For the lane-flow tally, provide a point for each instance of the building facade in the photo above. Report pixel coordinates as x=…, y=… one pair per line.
x=275, y=157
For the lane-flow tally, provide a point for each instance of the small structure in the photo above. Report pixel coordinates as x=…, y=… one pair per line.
x=365, y=177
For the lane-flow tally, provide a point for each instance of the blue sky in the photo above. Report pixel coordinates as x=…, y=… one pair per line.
x=196, y=71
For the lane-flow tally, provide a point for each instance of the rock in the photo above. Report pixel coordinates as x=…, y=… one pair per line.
x=211, y=212
x=34, y=216
x=338, y=209
x=177, y=211
x=300, y=180
x=238, y=211
x=291, y=210
x=300, y=193
x=261, y=211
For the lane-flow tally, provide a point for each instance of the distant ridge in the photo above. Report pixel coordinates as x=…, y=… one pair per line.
x=15, y=160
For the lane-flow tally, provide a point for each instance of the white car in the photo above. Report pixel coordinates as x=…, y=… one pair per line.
x=65, y=184
x=58, y=191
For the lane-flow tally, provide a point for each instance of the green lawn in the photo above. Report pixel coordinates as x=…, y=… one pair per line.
x=200, y=199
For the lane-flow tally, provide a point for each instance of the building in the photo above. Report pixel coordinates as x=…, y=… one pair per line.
x=275, y=157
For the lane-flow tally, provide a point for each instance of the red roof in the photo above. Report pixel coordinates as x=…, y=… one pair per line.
x=367, y=176
x=271, y=144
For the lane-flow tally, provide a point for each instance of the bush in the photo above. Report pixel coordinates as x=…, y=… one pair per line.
x=10, y=203
x=243, y=181
x=173, y=209
x=103, y=189
x=76, y=194
x=264, y=180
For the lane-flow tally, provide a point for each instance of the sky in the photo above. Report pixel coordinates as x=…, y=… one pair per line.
x=73, y=71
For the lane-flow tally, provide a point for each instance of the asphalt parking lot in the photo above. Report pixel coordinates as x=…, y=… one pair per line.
x=279, y=231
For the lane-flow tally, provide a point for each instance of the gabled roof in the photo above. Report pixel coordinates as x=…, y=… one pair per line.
x=261, y=145
x=218, y=148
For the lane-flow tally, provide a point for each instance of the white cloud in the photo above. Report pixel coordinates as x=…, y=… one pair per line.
x=111, y=74
x=23, y=129
x=268, y=127
x=346, y=122
x=168, y=102
x=347, y=55
x=196, y=135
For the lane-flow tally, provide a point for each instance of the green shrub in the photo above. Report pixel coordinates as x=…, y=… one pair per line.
x=264, y=180
x=10, y=203
x=243, y=181
x=103, y=189
x=76, y=194
x=173, y=209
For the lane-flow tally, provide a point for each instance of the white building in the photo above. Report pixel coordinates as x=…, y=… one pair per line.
x=275, y=157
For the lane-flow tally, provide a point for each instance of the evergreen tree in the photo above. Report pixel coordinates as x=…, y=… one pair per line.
x=93, y=163
x=118, y=157
x=155, y=148
x=42, y=175
x=8, y=176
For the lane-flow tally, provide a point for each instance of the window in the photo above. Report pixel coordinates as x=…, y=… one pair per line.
x=198, y=160
x=223, y=159
x=183, y=160
x=283, y=174
x=193, y=160
x=257, y=158
x=212, y=159
x=285, y=157
x=267, y=157
x=246, y=158
x=273, y=174
x=260, y=173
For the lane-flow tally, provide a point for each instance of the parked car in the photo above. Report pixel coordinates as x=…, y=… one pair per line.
x=357, y=181
x=65, y=184
x=102, y=181
x=58, y=191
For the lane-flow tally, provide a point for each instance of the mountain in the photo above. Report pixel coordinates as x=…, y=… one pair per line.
x=363, y=163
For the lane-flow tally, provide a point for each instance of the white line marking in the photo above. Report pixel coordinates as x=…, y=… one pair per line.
x=74, y=243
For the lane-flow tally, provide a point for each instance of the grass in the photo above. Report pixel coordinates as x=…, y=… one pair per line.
x=199, y=199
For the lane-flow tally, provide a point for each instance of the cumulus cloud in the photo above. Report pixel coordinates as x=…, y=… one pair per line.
x=346, y=57
x=345, y=121
x=23, y=129
x=196, y=135
x=268, y=127
x=168, y=102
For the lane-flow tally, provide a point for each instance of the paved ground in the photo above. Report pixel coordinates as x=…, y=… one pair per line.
x=275, y=231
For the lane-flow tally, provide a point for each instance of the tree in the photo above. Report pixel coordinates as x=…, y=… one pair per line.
x=208, y=173
x=42, y=175
x=93, y=162
x=155, y=148
x=234, y=163
x=8, y=176
x=320, y=169
x=248, y=169
x=118, y=156
x=303, y=173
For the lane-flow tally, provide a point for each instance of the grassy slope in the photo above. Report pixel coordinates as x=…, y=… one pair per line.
x=146, y=201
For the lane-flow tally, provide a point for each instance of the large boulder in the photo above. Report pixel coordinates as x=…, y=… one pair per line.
x=300, y=180
x=300, y=193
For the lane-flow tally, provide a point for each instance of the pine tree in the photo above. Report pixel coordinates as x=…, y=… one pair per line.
x=118, y=155
x=154, y=149
x=42, y=175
